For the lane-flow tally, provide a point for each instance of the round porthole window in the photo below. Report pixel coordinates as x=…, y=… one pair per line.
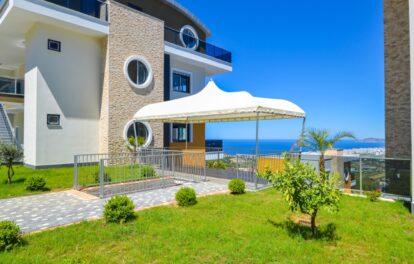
x=189, y=37
x=137, y=134
x=138, y=72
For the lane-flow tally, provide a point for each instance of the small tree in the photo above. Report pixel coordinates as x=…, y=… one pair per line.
x=304, y=190
x=321, y=140
x=10, y=154
x=135, y=142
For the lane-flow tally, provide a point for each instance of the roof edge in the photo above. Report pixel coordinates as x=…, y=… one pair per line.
x=174, y=4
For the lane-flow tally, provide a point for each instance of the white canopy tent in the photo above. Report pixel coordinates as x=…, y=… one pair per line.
x=215, y=105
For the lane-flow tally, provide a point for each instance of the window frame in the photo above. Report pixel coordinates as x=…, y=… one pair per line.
x=183, y=73
x=51, y=42
x=49, y=123
x=197, y=44
x=145, y=62
x=189, y=133
x=147, y=126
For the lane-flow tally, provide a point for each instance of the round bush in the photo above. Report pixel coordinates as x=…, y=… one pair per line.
x=119, y=209
x=35, y=183
x=186, y=197
x=107, y=177
x=10, y=235
x=237, y=186
x=146, y=171
x=373, y=196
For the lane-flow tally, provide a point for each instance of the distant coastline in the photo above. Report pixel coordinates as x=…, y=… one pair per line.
x=246, y=146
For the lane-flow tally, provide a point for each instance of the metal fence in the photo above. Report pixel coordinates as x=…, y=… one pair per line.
x=109, y=174
x=361, y=174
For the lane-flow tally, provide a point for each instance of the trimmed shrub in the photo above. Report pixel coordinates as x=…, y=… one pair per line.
x=237, y=186
x=107, y=177
x=216, y=164
x=373, y=195
x=119, y=209
x=146, y=171
x=35, y=183
x=10, y=235
x=186, y=197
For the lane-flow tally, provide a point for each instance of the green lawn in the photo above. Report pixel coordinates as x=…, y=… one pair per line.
x=250, y=228
x=56, y=179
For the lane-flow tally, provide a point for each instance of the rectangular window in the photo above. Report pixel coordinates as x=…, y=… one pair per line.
x=53, y=120
x=181, y=82
x=53, y=45
x=180, y=133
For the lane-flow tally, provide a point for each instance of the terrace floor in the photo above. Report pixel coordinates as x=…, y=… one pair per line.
x=38, y=212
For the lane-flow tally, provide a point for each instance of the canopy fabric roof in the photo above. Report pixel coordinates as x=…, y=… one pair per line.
x=215, y=105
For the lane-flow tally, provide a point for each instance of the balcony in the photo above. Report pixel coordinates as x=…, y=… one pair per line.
x=94, y=8
x=173, y=36
x=3, y=5
x=9, y=86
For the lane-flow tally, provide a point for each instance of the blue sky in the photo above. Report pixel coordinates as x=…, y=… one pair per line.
x=326, y=56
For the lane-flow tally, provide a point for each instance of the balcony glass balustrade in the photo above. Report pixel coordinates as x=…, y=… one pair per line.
x=173, y=36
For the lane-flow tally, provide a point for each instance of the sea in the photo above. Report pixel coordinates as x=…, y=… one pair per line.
x=247, y=146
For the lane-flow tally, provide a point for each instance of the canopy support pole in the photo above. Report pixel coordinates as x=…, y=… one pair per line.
x=136, y=137
x=257, y=150
x=257, y=134
x=302, y=136
x=186, y=134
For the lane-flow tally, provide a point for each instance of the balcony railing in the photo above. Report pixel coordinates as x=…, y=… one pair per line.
x=95, y=8
x=3, y=5
x=173, y=36
x=11, y=86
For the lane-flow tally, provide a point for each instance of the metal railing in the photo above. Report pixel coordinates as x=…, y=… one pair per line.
x=11, y=86
x=173, y=36
x=109, y=174
x=3, y=5
x=358, y=174
x=94, y=8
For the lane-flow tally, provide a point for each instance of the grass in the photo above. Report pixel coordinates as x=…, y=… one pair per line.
x=62, y=178
x=250, y=228
x=56, y=179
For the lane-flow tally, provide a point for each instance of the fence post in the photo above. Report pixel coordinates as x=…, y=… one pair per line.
x=75, y=172
x=101, y=178
x=237, y=166
x=173, y=164
x=162, y=169
x=360, y=176
x=204, y=168
x=256, y=163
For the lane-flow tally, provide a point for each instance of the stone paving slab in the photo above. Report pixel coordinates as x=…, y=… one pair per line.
x=38, y=212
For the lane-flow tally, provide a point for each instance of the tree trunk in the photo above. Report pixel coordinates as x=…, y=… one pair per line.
x=322, y=165
x=313, y=223
x=9, y=176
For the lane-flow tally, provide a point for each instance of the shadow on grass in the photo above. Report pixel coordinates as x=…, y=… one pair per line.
x=16, y=181
x=325, y=232
x=406, y=204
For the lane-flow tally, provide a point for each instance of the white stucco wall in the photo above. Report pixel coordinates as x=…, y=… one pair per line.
x=67, y=83
x=198, y=78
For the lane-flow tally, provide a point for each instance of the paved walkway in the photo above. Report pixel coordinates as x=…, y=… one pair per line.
x=44, y=211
